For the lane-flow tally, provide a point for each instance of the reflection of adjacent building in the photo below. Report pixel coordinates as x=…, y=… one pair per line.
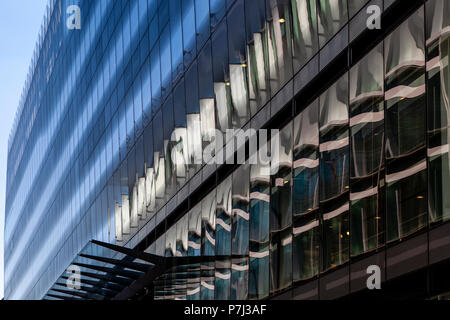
x=363, y=156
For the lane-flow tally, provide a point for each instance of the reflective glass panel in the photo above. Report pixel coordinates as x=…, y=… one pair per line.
x=405, y=128
x=367, y=158
x=438, y=91
x=332, y=17
x=334, y=173
x=306, y=193
x=304, y=30
x=281, y=213
x=259, y=231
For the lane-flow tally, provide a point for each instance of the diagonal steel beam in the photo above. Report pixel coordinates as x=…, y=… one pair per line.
x=106, y=277
x=85, y=296
x=148, y=257
x=185, y=260
x=142, y=283
x=125, y=264
x=100, y=284
x=124, y=273
x=94, y=290
x=150, y=276
x=56, y=296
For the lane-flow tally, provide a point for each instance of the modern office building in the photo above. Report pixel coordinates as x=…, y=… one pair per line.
x=103, y=171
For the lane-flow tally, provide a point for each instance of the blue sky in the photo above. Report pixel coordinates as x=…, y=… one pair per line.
x=20, y=21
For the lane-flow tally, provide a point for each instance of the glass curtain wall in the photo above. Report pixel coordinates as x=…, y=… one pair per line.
x=351, y=175
x=255, y=48
x=364, y=164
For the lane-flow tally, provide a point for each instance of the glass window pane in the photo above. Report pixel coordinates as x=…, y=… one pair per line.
x=223, y=239
x=281, y=202
x=240, y=210
x=168, y=127
x=202, y=17
x=195, y=230
x=117, y=208
x=205, y=73
x=238, y=65
x=259, y=231
x=156, y=78
x=132, y=189
x=217, y=8
x=336, y=235
x=207, y=281
x=304, y=29
x=367, y=164
x=182, y=236
x=122, y=131
x=137, y=105
x=223, y=217
x=193, y=120
x=281, y=213
x=166, y=63
x=221, y=72
x=154, y=31
x=176, y=36
x=194, y=249
x=146, y=90
x=171, y=238
x=222, y=279
x=334, y=173
x=258, y=59
x=438, y=91
x=240, y=232
x=306, y=193
x=306, y=246
x=239, y=279
x=163, y=13
x=189, y=31
x=306, y=160
x=179, y=136
x=334, y=140
x=159, y=162
x=209, y=224
x=405, y=128
x=332, y=17
x=279, y=37
x=129, y=113
x=143, y=17
x=354, y=6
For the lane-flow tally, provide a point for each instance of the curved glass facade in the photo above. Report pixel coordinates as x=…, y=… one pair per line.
x=117, y=115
